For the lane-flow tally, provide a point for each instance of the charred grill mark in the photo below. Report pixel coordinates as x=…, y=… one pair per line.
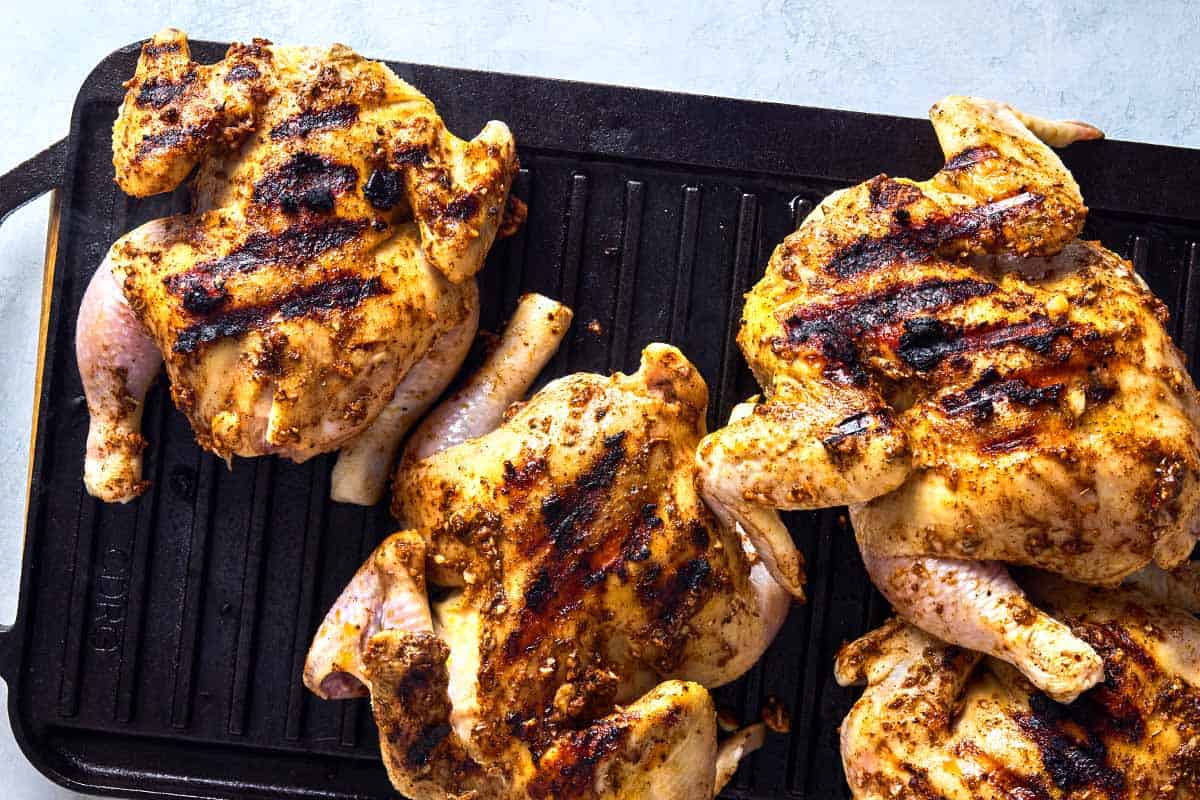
x=906, y=243
x=157, y=92
x=422, y=746
x=568, y=513
x=343, y=292
x=538, y=592
x=677, y=596
x=970, y=157
x=412, y=155
x=200, y=294
x=833, y=328
x=244, y=71
x=927, y=340
x=575, y=561
x=637, y=545
x=1011, y=783
x=305, y=181
x=572, y=773
x=304, y=123
x=1097, y=392
x=979, y=399
x=1074, y=757
x=887, y=193
x=202, y=287
x=462, y=207
x=842, y=363
x=384, y=189
x=340, y=293
x=174, y=137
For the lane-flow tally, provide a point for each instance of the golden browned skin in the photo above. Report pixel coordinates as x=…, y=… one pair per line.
x=938, y=722
x=592, y=598
x=337, y=229
x=978, y=384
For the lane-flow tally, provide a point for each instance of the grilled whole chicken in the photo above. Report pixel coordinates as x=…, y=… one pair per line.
x=587, y=596
x=326, y=273
x=938, y=721
x=978, y=384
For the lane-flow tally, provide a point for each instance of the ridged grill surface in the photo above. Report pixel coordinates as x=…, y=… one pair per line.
x=159, y=644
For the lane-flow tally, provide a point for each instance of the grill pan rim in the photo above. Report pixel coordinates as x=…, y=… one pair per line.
x=1141, y=181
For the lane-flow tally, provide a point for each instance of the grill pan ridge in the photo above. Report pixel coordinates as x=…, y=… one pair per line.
x=157, y=646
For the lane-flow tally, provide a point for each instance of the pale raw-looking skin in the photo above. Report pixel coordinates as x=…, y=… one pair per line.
x=938, y=722
x=325, y=275
x=980, y=386
x=593, y=598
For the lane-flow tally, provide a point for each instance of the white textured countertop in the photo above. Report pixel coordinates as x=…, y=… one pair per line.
x=1132, y=68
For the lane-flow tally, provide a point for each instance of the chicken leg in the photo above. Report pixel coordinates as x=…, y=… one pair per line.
x=977, y=605
x=529, y=341
x=118, y=362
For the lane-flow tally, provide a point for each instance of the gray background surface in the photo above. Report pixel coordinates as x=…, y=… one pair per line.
x=1132, y=68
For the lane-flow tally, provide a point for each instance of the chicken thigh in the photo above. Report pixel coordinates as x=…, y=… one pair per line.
x=938, y=721
x=978, y=384
x=586, y=598
x=326, y=273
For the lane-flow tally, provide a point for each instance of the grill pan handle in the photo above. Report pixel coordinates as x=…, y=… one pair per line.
x=33, y=178
x=27, y=182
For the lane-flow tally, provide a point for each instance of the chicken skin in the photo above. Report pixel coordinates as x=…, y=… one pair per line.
x=587, y=597
x=938, y=721
x=980, y=386
x=326, y=273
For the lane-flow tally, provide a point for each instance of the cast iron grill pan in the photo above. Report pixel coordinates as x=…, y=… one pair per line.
x=158, y=646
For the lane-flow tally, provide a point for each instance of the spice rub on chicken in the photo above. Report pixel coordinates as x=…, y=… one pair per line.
x=938, y=722
x=325, y=274
x=981, y=387
x=587, y=597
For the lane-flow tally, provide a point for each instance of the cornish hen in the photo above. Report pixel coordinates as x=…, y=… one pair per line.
x=938, y=721
x=326, y=273
x=978, y=384
x=586, y=596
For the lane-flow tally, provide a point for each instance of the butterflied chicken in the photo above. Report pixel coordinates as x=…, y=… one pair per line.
x=586, y=596
x=325, y=275
x=978, y=384
x=939, y=721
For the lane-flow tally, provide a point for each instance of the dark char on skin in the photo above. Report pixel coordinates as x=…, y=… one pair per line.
x=201, y=288
x=906, y=243
x=339, y=293
x=305, y=181
x=304, y=123
x=158, y=92
x=834, y=327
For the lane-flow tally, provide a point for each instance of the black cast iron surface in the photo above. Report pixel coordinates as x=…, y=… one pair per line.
x=158, y=645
